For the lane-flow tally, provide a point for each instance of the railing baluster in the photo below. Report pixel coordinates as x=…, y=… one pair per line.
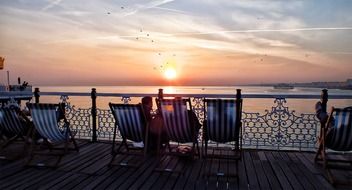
x=94, y=114
x=36, y=95
x=324, y=100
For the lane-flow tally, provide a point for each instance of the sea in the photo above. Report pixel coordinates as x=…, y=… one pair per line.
x=252, y=105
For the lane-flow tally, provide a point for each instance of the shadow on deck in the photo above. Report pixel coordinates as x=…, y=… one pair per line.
x=89, y=169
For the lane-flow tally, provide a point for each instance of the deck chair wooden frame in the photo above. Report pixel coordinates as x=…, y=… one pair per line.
x=14, y=124
x=178, y=127
x=133, y=126
x=222, y=124
x=336, y=135
x=46, y=123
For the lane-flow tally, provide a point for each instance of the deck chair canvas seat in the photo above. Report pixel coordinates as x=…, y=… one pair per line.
x=13, y=125
x=133, y=126
x=336, y=135
x=179, y=127
x=222, y=125
x=46, y=123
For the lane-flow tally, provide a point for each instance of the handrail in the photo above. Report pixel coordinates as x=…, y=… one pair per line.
x=293, y=96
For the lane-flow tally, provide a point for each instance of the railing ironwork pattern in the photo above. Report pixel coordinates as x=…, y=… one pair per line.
x=280, y=128
x=80, y=119
x=106, y=124
x=275, y=128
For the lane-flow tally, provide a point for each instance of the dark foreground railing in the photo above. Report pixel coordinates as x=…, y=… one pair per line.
x=277, y=127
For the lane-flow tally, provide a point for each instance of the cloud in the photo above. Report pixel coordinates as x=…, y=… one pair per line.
x=52, y=4
x=150, y=5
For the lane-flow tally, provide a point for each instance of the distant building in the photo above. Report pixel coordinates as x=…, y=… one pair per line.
x=349, y=82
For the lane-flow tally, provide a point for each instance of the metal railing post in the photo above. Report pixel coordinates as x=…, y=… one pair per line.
x=161, y=93
x=239, y=118
x=324, y=100
x=94, y=114
x=36, y=95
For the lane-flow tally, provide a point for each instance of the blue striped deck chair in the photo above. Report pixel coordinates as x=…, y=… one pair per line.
x=178, y=124
x=222, y=125
x=46, y=122
x=336, y=135
x=133, y=126
x=14, y=124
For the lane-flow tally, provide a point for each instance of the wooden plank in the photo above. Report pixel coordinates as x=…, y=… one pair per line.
x=324, y=182
x=50, y=160
x=177, y=176
x=232, y=182
x=94, y=181
x=123, y=175
x=160, y=164
x=42, y=180
x=182, y=179
x=22, y=178
x=213, y=170
x=196, y=174
x=262, y=178
x=164, y=175
x=141, y=173
x=306, y=173
x=84, y=182
x=56, y=181
x=242, y=174
x=90, y=171
x=11, y=169
x=312, y=167
x=97, y=166
x=279, y=173
x=61, y=185
x=300, y=174
x=73, y=183
x=261, y=155
x=116, y=177
x=268, y=170
x=252, y=177
x=288, y=172
x=97, y=158
x=151, y=180
x=78, y=161
x=270, y=174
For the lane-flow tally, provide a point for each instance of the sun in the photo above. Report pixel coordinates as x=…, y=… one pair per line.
x=170, y=73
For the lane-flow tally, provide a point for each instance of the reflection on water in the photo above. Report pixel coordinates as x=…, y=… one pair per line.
x=249, y=105
x=169, y=90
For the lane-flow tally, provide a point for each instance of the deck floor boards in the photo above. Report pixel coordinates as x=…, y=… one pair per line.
x=88, y=169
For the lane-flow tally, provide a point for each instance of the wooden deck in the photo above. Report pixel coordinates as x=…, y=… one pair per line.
x=89, y=169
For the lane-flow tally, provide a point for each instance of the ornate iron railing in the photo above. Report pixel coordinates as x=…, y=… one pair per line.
x=277, y=127
x=280, y=128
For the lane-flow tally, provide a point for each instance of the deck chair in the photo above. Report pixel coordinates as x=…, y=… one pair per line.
x=222, y=125
x=179, y=126
x=336, y=135
x=133, y=126
x=14, y=124
x=46, y=123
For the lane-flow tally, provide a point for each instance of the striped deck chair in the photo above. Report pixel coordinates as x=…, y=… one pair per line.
x=336, y=135
x=46, y=123
x=132, y=125
x=222, y=125
x=13, y=125
x=178, y=124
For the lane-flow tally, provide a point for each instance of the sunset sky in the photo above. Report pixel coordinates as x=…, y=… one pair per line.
x=203, y=42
